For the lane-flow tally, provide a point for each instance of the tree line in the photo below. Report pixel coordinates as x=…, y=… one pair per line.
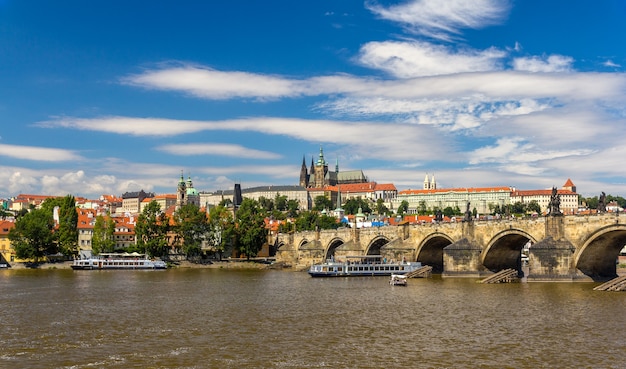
x=51, y=229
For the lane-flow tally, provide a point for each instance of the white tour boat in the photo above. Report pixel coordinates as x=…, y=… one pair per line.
x=118, y=261
x=370, y=265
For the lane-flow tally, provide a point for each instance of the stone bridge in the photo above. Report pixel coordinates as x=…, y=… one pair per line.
x=566, y=248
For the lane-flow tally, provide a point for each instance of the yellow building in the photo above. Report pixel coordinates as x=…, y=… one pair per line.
x=6, y=251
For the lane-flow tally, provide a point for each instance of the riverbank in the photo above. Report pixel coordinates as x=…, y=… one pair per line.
x=224, y=264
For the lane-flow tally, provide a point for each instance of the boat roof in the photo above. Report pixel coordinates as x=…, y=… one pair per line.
x=121, y=255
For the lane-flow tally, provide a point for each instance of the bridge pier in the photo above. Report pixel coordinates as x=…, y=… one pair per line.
x=552, y=260
x=462, y=259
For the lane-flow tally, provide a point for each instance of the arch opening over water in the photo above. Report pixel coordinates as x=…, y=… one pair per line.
x=375, y=246
x=505, y=252
x=431, y=252
x=598, y=257
x=332, y=247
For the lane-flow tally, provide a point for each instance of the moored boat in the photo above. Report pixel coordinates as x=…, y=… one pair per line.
x=118, y=261
x=398, y=280
x=370, y=265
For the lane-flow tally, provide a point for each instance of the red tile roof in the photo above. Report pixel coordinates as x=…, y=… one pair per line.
x=448, y=190
x=547, y=192
x=5, y=227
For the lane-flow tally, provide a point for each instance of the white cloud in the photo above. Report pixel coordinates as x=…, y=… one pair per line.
x=490, y=85
x=417, y=59
x=518, y=151
x=611, y=64
x=214, y=84
x=392, y=138
x=218, y=149
x=550, y=64
x=38, y=153
x=443, y=20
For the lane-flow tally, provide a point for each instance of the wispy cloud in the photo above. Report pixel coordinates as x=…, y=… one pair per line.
x=611, y=64
x=390, y=138
x=38, y=153
x=443, y=20
x=549, y=64
x=218, y=149
x=409, y=59
x=517, y=150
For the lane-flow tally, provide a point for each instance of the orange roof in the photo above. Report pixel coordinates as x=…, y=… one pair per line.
x=385, y=187
x=5, y=227
x=447, y=190
x=540, y=192
x=569, y=183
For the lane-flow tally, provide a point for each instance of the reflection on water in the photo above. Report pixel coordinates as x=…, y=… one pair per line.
x=207, y=318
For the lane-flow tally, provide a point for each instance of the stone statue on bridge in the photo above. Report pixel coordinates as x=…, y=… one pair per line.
x=602, y=203
x=468, y=213
x=554, y=207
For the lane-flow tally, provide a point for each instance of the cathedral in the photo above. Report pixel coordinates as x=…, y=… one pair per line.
x=318, y=176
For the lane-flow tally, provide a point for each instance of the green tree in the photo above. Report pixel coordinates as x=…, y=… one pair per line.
x=280, y=202
x=151, y=230
x=449, y=212
x=403, y=208
x=322, y=202
x=306, y=221
x=33, y=237
x=266, y=203
x=312, y=220
x=221, y=230
x=192, y=229
x=292, y=208
x=533, y=206
x=353, y=205
x=103, y=233
x=421, y=208
x=518, y=208
x=381, y=209
x=592, y=202
x=67, y=233
x=250, y=228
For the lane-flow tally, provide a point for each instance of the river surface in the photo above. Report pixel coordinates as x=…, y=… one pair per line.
x=218, y=318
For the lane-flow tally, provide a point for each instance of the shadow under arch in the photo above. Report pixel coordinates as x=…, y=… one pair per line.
x=377, y=243
x=332, y=246
x=504, y=251
x=430, y=252
x=598, y=255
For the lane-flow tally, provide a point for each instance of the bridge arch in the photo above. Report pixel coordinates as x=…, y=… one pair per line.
x=598, y=254
x=430, y=251
x=332, y=246
x=504, y=250
x=374, y=246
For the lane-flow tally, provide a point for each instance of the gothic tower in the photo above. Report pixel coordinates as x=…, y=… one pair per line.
x=321, y=168
x=304, y=176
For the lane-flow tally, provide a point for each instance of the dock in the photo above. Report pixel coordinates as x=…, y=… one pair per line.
x=423, y=272
x=616, y=284
x=503, y=276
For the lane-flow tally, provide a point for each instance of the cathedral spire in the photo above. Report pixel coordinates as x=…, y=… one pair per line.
x=304, y=175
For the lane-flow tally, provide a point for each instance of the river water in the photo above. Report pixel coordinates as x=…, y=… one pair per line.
x=219, y=318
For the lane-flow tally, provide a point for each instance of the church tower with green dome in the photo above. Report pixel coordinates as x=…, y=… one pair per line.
x=186, y=193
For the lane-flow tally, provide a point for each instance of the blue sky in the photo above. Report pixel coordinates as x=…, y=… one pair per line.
x=104, y=97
